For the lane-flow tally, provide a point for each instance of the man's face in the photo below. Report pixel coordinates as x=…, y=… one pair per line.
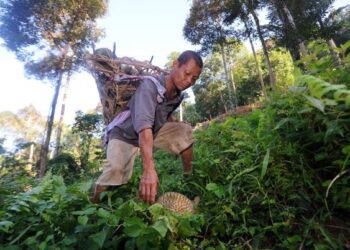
x=186, y=75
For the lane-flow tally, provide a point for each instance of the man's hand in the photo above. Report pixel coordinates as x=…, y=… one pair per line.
x=148, y=186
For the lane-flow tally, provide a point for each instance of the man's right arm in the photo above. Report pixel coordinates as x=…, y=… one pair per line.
x=142, y=114
x=149, y=179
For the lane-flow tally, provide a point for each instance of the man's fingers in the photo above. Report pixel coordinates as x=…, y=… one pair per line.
x=153, y=193
x=148, y=188
x=141, y=191
x=148, y=193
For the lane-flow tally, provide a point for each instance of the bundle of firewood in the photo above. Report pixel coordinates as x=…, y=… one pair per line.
x=117, y=79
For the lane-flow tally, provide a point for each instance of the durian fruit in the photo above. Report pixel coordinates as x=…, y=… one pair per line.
x=177, y=202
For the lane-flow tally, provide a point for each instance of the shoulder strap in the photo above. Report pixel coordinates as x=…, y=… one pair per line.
x=160, y=88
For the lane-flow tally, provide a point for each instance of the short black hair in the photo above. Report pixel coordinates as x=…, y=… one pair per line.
x=190, y=54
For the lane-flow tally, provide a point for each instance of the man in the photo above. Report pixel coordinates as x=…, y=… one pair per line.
x=150, y=125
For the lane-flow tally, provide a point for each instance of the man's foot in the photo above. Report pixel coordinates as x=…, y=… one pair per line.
x=98, y=190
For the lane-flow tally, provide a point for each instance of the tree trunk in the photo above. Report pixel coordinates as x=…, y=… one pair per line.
x=181, y=112
x=302, y=47
x=31, y=153
x=63, y=108
x=222, y=100
x=224, y=61
x=332, y=46
x=232, y=78
x=257, y=66
x=30, y=158
x=267, y=58
x=335, y=55
x=45, y=148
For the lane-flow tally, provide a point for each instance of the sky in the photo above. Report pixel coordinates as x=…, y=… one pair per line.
x=141, y=29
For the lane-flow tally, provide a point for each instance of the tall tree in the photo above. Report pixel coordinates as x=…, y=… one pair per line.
x=288, y=20
x=251, y=6
x=87, y=126
x=31, y=26
x=210, y=92
x=319, y=12
x=233, y=11
x=63, y=109
x=304, y=20
x=205, y=26
x=25, y=126
x=340, y=19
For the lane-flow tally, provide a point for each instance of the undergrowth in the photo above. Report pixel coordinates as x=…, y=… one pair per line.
x=277, y=178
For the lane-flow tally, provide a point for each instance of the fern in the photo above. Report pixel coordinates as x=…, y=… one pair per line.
x=322, y=93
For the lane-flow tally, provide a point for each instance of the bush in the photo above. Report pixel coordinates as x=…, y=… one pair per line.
x=64, y=165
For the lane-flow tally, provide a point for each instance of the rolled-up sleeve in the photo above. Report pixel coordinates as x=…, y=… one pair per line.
x=143, y=107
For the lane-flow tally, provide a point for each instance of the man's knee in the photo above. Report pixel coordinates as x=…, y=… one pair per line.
x=183, y=130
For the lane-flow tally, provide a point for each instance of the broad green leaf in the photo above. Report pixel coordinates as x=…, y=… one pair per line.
x=347, y=101
x=88, y=211
x=99, y=238
x=142, y=242
x=327, y=89
x=5, y=226
x=345, y=46
x=156, y=210
x=69, y=240
x=265, y=163
x=136, y=206
x=346, y=150
x=43, y=244
x=161, y=227
x=318, y=88
x=221, y=246
x=315, y=103
x=133, y=230
x=216, y=189
x=252, y=230
x=133, y=221
x=341, y=94
x=294, y=239
x=185, y=229
x=330, y=102
x=83, y=220
x=103, y=213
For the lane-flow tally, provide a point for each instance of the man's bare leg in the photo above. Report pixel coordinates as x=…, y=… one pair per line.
x=97, y=192
x=186, y=157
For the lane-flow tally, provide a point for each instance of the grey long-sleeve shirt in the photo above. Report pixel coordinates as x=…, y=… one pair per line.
x=146, y=112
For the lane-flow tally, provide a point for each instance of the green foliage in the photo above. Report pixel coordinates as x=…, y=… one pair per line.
x=64, y=164
x=277, y=178
x=341, y=19
x=320, y=63
x=211, y=92
x=26, y=125
x=88, y=127
x=283, y=67
x=190, y=114
x=40, y=24
x=54, y=215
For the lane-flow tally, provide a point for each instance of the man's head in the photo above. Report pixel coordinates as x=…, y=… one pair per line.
x=186, y=69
